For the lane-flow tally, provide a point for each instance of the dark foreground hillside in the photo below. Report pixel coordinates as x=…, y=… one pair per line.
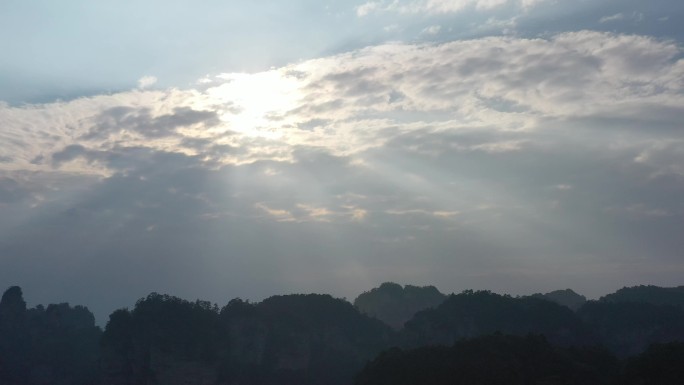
x=514, y=360
x=630, y=327
x=492, y=360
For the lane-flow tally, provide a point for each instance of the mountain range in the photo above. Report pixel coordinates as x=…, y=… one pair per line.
x=319, y=339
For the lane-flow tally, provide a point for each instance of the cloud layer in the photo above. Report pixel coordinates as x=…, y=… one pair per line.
x=546, y=161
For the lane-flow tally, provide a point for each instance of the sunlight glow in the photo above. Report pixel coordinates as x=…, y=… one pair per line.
x=255, y=101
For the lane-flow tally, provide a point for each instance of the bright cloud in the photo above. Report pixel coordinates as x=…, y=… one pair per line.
x=354, y=101
x=146, y=81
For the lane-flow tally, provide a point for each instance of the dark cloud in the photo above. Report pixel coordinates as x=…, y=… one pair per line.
x=67, y=154
x=210, y=149
x=313, y=124
x=140, y=120
x=358, y=82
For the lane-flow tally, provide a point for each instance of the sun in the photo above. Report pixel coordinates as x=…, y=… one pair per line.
x=256, y=104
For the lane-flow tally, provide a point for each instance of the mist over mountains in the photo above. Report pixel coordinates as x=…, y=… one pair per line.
x=318, y=339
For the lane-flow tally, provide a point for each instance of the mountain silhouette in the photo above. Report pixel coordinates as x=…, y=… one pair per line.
x=567, y=298
x=312, y=339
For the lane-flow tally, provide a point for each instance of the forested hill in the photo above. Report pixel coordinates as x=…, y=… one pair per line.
x=476, y=313
x=318, y=339
x=394, y=305
x=649, y=294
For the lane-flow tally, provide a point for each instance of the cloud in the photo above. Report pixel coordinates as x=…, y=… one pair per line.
x=146, y=81
x=436, y=7
x=367, y=8
x=432, y=30
x=663, y=156
x=635, y=16
x=617, y=16
x=526, y=4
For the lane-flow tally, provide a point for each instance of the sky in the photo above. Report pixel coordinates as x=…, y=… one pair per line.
x=221, y=149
